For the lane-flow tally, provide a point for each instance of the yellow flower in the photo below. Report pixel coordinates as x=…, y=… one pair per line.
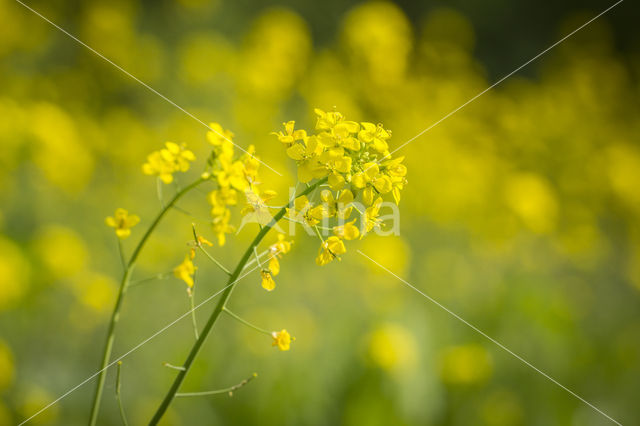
x=267, y=280
x=290, y=136
x=123, y=222
x=336, y=162
x=203, y=240
x=276, y=250
x=327, y=120
x=371, y=214
x=341, y=135
x=397, y=173
x=172, y=158
x=257, y=210
x=310, y=215
x=348, y=231
x=371, y=178
x=376, y=136
x=221, y=226
x=282, y=339
x=217, y=135
x=251, y=164
x=281, y=246
x=221, y=198
x=179, y=155
x=232, y=175
x=329, y=250
x=156, y=165
x=340, y=207
x=274, y=265
x=306, y=154
x=185, y=271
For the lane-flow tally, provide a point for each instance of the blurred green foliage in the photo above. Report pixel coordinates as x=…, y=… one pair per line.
x=521, y=215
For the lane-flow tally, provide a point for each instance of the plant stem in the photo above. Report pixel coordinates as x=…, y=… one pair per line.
x=119, y=397
x=221, y=304
x=121, y=252
x=245, y=322
x=228, y=390
x=193, y=312
x=214, y=260
x=115, y=315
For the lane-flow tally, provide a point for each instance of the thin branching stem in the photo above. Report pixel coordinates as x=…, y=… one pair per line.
x=119, y=395
x=174, y=367
x=121, y=253
x=190, y=292
x=198, y=244
x=231, y=283
x=228, y=390
x=214, y=260
x=124, y=283
x=245, y=322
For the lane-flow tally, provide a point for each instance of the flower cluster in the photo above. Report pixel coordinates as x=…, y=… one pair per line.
x=349, y=161
x=355, y=160
x=165, y=162
x=233, y=176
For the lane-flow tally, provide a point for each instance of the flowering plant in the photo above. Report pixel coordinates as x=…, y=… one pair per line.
x=349, y=163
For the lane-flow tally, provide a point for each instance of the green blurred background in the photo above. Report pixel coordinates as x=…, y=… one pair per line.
x=521, y=212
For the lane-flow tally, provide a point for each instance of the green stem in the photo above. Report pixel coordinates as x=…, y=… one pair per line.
x=115, y=315
x=228, y=390
x=221, y=304
x=214, y=260
x=121, y=252
x=245, y=322
x=119, y=397
x=193, y=311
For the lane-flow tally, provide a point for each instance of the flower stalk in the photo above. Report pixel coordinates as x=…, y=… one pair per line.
x=204, y=334
x=124, y=283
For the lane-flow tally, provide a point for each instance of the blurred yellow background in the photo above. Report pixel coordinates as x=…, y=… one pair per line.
x=521, y=215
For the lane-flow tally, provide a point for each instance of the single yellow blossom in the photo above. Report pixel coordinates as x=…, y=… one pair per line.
x=274, y=265
x=257, y=210
x=281, y=246
x=306, y=154
x=376, y=136
x=217, y=135
x=337, y=163
x=342, y=135
x=371, y=179
x=123, y=222
x=267, y=280
x=371, y=214
x=290, y=136
x=251, y=165
x=397, y=173
x=232, y=175
x=340, y=207
x=185, y=271
x=348, y=231
x=329, y=250
x=203, y=240
x=282, y=339
x=309, y=214
x=156, y=165
x=327, y=120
